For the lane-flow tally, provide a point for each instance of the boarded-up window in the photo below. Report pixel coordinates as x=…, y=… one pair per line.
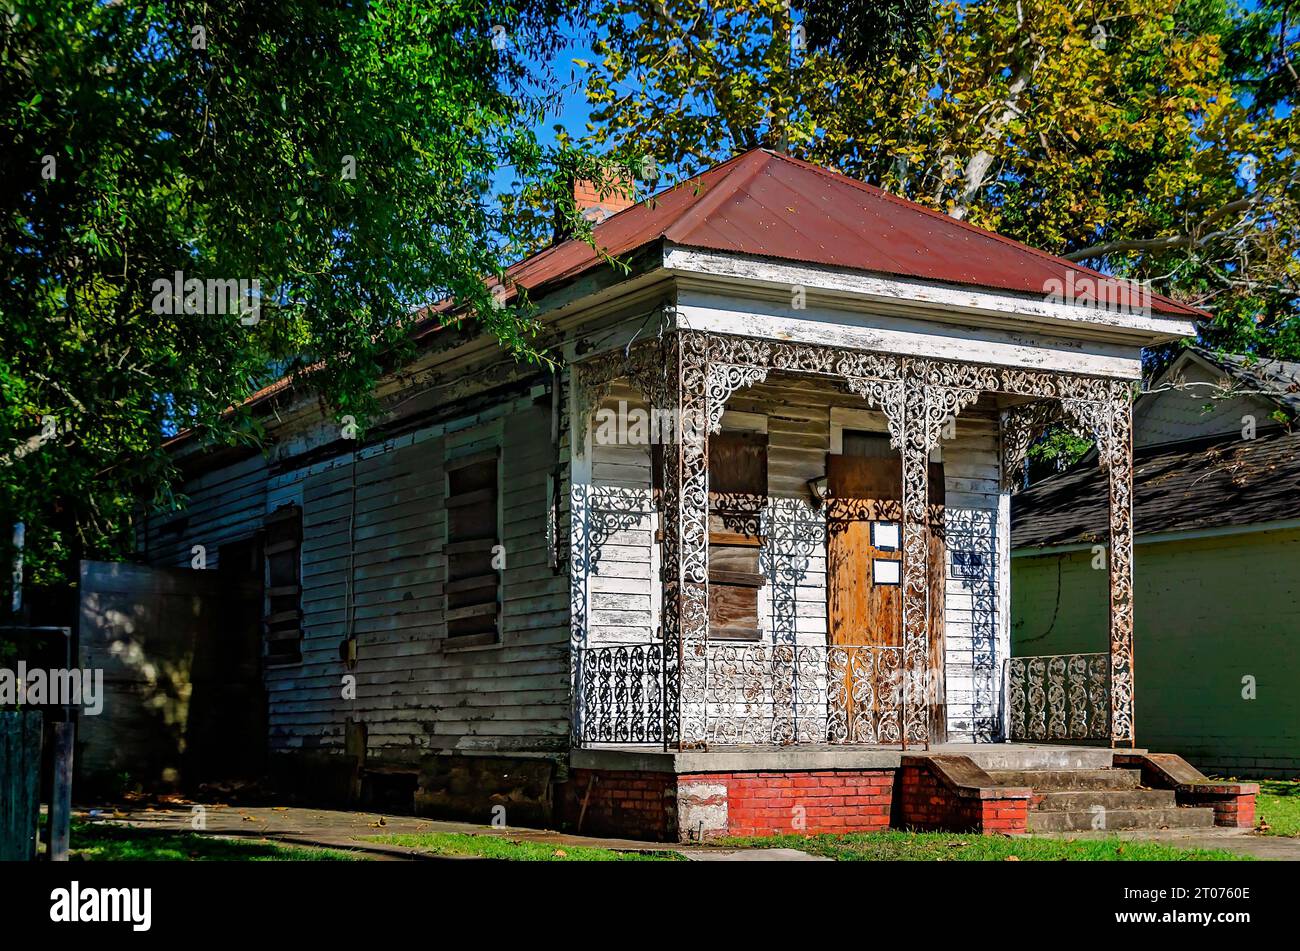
x=282, y=625
x=473, y=611
x=737, y=496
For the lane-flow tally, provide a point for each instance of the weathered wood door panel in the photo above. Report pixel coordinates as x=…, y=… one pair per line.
x=737, y=495
x=864, y=559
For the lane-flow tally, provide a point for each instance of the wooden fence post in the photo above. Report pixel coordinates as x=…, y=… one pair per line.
x=61, y=790
x=20, y=784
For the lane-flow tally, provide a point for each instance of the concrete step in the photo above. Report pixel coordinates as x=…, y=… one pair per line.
x=1053, y=779
x=1112, y=820
x=1014, y=756
x=1105, y=799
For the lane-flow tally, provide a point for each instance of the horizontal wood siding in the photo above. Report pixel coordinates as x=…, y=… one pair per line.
x=792, y=605
x=373, y=562
x=620, y=525
x=221, y=506
x=975, y=642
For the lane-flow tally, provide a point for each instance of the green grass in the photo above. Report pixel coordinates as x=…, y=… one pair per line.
x=1278, y=804
x=514, y=850
x=950, y=847
x=101, y=842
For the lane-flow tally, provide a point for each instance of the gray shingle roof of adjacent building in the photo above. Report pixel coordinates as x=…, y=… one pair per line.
x=1280, y=379
x=1211, y=482
x=1208, y=483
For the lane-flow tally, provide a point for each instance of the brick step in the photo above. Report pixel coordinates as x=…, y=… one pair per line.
x=1107, y=799
x=1113, y=820
x=1043, y=780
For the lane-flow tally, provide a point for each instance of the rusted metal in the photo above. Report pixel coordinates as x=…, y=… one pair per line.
x=771, y=205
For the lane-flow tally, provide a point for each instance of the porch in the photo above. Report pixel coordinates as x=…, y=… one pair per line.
x=762, y=619
x=776, y=695
x=1006, y=788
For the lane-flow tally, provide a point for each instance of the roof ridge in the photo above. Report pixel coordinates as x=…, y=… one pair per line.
x=879, y=192
x=739, y=176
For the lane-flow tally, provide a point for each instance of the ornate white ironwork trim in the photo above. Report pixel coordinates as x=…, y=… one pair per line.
x=1060, y=697
x=725, y=379
x=691, y=374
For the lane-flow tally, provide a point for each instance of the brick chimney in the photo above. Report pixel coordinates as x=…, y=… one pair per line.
x=596, y=209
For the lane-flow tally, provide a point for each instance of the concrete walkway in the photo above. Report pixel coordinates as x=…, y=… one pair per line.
x=336, y=829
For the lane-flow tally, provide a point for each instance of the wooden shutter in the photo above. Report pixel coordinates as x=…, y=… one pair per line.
x=737, y=498
x=282, y=623
x=473, y=586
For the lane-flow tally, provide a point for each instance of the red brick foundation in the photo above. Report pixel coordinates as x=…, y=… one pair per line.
x=841, y=800
x=1238, y=812
x=945, y=792
x=1234, y=803
x=929, y=799
x=638, y=805
x=698, y=806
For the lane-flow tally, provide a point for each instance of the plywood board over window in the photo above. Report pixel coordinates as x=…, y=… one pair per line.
x=473, y=589
x=282, y=620
x=737, y=497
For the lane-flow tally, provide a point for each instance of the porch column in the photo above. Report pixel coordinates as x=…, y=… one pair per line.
x=934, y=395
x=915, y=451
x=685, y=398
x=1117, y=446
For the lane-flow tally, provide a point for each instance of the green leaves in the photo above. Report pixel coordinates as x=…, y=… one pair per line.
x=1114, y=132
x=225, y=163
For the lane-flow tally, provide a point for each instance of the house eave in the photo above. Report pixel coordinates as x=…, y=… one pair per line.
x=944, y=303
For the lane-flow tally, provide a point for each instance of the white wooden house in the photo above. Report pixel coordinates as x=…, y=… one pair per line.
x=752, y=533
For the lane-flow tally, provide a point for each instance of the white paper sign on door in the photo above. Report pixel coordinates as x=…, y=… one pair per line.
x=884, y=535
x=885, y=572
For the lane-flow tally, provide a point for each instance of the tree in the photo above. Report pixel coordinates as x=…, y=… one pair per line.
x=688, y=84
x=201, y=197
x=1154, y=139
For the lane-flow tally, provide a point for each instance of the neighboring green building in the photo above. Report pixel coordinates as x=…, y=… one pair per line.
x=1216, y=565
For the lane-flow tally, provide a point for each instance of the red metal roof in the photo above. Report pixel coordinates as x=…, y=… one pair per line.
x=771, y=205
x=766, y=204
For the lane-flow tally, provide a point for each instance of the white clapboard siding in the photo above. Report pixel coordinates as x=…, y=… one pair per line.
x=974, y=646
x=620, y=526
x=372, y=563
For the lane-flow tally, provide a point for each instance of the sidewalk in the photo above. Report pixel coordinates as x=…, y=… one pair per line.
x=337, y=829
x=1274, y=847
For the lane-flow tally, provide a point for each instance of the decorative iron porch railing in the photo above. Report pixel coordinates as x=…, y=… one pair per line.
x=1059, y=697
x=620, y=695
x=739, y=694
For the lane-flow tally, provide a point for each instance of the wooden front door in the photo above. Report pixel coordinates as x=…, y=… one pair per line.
x=864, y=571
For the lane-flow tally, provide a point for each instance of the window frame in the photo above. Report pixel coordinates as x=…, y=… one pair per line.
x=289, y=514
x=452, y=549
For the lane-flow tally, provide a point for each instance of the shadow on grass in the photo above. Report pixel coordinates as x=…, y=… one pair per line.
x=101, y=842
